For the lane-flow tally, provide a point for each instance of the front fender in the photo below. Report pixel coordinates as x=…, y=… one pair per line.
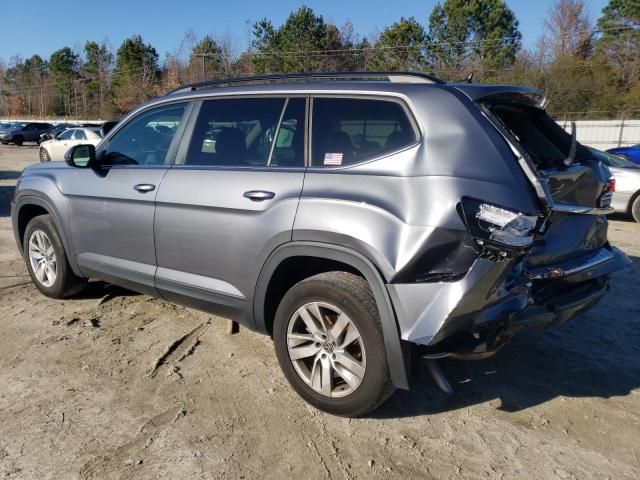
x=33, y=197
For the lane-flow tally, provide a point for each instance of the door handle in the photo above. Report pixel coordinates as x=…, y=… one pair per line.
x=258, y=195
x=144, y=187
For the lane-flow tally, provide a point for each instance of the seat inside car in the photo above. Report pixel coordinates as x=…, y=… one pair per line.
x=231, y=147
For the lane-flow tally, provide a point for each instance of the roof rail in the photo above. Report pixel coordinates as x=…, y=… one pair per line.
x=397, y=77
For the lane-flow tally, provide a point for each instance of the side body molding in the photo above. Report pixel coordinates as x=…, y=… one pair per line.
x=397, y=358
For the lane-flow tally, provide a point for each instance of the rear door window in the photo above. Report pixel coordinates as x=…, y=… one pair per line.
x=346, y=131
x=79, y=135
x=249, y=132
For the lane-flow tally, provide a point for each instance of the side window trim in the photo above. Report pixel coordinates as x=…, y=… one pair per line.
x=277, y=132
x=189, y=128
x=187, y=134
x=175, y=141
x=387, y=98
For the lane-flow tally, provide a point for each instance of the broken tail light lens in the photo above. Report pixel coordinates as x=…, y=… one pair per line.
x=501, y=226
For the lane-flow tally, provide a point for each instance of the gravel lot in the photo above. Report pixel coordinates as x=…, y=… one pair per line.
x=87, y=390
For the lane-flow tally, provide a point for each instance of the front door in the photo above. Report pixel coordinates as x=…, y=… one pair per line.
x=111, y=207
x=59, y=146
x=229, y=200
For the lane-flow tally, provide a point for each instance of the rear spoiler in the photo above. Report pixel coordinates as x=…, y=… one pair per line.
x=503, y=94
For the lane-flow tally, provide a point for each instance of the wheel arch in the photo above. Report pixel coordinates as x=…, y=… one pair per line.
x=632, y=199
x=399, y=353
x=30, y=206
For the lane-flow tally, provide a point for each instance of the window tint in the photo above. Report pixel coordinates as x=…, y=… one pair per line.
x=145, y=140
x=79, y=135
x=66, y=135
x=240, y=132
x=348, y=131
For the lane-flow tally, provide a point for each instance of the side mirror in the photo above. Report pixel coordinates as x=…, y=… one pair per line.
x=81, y=156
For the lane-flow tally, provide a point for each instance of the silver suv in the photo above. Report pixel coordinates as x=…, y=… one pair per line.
x=361, y=220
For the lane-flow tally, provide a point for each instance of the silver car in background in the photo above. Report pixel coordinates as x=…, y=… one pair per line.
x=54, y=149
x=626, y=196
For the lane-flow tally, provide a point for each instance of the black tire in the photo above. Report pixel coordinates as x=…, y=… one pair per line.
x=352, y=295
x=66, y=282
x=4, y=143
x=635, y=209
x=18, y=140
x=44, y=155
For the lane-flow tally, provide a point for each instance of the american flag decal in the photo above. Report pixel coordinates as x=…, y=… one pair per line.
x=333, y=158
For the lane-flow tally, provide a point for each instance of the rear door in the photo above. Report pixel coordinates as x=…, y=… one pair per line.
x=111, y=207
x=229, y=200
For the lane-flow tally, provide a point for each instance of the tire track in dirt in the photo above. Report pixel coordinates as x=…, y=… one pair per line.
x=110, y=465
x=179, y=350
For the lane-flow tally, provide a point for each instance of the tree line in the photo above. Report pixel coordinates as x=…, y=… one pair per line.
x=586, y=68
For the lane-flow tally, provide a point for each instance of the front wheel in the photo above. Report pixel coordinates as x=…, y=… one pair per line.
x=329, y=344
x=47, y=262
x=18, y=141
x=44, y=155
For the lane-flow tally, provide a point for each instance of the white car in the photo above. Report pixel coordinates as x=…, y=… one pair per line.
x=55, y=149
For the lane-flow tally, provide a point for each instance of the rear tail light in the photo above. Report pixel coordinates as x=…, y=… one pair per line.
x=609, y=188
x=499, y=226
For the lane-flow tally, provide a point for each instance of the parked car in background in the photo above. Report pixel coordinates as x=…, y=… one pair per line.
x=360, y=220
x=52, y=150
x=55, y=131
x=24, y=132
x=626, y=195
x=631, y=153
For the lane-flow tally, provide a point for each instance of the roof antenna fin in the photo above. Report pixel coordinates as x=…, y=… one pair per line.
x=469, y=78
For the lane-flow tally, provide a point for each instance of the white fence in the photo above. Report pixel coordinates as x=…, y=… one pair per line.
x=600, y=134
x=605, y=134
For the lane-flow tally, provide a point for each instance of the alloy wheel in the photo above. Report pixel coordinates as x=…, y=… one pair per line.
x=44, y=156
x=326, y=349
x=42, y=258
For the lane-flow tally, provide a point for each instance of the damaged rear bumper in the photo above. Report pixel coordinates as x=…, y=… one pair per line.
x=496, y=300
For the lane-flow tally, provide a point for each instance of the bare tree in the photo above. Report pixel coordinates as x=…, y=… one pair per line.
x=569, y=31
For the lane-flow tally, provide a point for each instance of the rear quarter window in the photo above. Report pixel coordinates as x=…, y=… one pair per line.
x=347, y=131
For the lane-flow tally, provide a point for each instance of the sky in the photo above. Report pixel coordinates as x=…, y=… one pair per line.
x=30, y=27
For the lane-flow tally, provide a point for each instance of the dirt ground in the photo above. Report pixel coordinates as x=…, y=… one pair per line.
x=89, y=390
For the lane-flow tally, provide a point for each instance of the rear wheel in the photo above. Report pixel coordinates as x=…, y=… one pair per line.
x=18, y=140
x=44, y=155
x=47, y=262
x=329, y=343
x=635, y=209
